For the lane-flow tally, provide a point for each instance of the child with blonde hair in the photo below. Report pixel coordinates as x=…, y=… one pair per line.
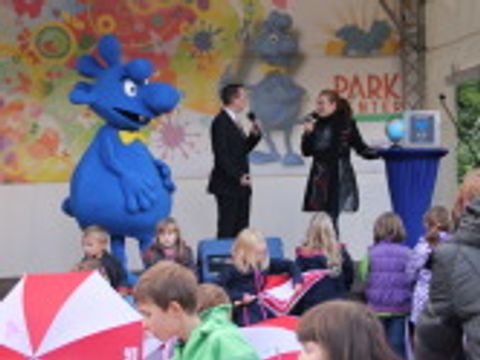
x=245, y=279
x=322, y=251
x=95, y=241
x=388, y=283
x=169, y=245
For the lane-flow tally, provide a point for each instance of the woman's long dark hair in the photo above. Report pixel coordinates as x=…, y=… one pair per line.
x=344, y=107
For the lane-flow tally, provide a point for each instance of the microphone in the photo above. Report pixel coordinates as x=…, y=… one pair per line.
x=443, y=101
x=308, y=118
x=253, y=120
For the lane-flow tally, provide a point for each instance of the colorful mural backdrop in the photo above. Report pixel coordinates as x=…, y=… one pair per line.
x=347, y=45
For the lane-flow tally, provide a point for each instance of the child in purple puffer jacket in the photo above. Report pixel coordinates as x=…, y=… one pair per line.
x=388, y=284
x=437, y=225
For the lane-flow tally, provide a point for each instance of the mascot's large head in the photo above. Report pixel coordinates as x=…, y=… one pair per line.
x=121, y=93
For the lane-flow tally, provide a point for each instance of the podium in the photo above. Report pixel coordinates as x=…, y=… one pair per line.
x=411, y=176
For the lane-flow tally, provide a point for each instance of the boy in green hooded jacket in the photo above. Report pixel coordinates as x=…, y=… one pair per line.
x=166, y=295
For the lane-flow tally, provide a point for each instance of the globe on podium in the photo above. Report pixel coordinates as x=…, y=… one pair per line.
x=395, y=130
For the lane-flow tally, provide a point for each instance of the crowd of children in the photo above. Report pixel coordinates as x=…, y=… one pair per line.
x=202, y=319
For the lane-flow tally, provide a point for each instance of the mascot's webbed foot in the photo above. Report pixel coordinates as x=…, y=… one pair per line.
x=292, y=159
x=139, y=194
x=260, y=157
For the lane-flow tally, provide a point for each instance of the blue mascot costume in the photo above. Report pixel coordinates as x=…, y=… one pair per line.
x=118, y=184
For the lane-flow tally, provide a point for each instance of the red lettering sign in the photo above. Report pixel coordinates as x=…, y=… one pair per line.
x=371, y=93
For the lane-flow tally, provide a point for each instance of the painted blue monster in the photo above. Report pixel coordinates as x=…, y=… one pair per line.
x=118, y=184
x=277, y=99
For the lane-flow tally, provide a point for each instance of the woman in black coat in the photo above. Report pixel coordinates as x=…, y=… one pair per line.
x=329, y=134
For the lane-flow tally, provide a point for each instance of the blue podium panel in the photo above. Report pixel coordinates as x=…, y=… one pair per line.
x=411, y=176
x=214, y=254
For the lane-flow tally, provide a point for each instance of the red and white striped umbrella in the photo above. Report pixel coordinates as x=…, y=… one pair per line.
x=274, y=339
x=68, y=316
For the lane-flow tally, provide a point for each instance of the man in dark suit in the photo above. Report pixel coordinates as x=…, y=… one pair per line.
x=230, y=178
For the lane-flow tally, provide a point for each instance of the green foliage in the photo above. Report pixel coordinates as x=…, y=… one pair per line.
x=468, y=105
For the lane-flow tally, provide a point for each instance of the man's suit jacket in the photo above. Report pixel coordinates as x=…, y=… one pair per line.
x=231, y=147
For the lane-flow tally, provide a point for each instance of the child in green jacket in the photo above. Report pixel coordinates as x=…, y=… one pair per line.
x=166, y=295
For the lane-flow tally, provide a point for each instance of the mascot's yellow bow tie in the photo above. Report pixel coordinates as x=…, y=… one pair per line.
x=127, y=137
x=268, y=68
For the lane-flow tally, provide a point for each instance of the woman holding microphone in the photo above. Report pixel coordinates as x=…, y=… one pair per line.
x=329, y=134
